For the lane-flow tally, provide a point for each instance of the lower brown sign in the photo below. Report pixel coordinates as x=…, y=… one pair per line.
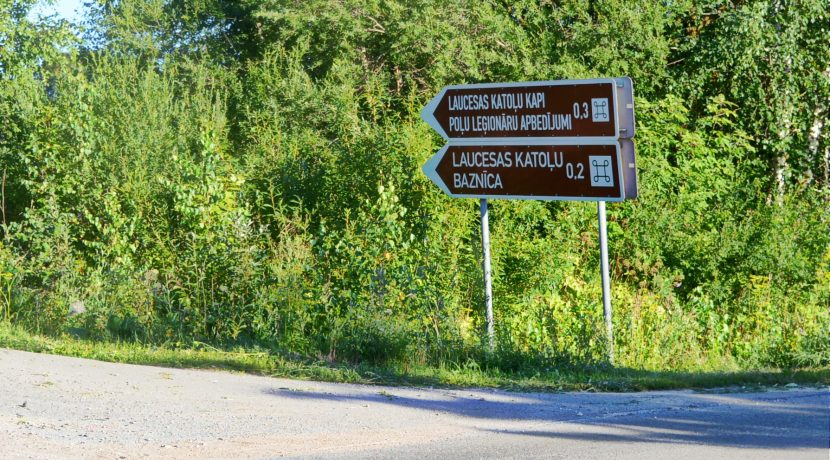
x=538, y=172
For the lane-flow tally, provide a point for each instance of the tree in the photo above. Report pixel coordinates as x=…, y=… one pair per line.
x=771, y=59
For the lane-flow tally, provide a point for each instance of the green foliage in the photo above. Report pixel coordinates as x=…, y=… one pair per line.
x=770, y=58
x=28, y=52
x=379, y=286
x=248, y=173
x=587, y=39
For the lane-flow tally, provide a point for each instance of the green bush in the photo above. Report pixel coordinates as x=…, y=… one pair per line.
x=249, y=173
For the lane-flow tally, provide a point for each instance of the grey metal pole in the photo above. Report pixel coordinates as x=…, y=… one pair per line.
x=606, y=279
x=488, y=285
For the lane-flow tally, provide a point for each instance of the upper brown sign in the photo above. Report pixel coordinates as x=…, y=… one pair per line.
x=540, y=172
x=602, y=108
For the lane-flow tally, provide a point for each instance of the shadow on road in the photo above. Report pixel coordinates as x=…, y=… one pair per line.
x=788, y=419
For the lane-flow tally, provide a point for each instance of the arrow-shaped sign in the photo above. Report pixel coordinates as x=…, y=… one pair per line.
x=564, y=109
x=590, y=171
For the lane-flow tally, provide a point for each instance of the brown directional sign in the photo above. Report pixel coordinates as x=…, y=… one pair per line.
x=540, y=172
x=600, y=108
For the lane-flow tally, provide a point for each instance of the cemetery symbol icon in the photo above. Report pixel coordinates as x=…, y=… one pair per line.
x=599, y=109
x=601, y=172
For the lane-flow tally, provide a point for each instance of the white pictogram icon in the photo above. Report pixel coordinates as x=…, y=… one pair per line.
x=601, y=173
x=599, y=109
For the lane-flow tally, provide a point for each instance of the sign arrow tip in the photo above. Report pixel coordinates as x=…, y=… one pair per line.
x=430, y=168
x=428, y=114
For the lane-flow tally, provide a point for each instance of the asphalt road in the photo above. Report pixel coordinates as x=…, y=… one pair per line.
x=58, y=407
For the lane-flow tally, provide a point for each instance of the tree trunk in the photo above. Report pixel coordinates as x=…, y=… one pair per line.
x=816, y=131
x=781, y=166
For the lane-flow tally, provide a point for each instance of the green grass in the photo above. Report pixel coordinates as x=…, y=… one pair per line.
x=601, y=377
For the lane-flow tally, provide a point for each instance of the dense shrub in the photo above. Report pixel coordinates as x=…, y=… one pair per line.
x=249, y=172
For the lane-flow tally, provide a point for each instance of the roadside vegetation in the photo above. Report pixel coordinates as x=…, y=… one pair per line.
x=239, y=182
x=492, y=370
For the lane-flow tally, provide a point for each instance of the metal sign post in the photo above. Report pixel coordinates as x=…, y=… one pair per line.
x=488, y=283
x=606, y=279
x=540, y=140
